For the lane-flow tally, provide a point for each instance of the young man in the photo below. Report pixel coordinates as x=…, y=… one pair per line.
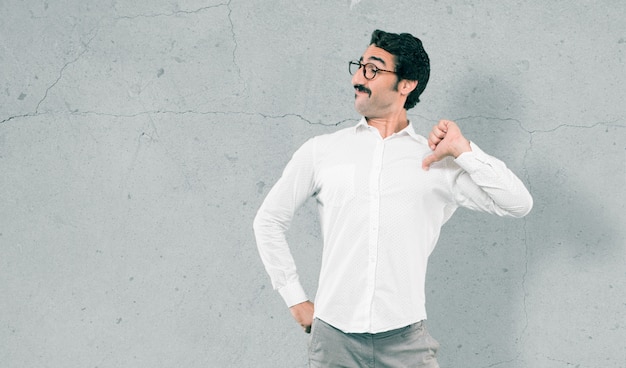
x=383, y=193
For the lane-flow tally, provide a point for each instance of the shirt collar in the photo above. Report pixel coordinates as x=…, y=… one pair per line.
x=361, y=125
x=409, y=130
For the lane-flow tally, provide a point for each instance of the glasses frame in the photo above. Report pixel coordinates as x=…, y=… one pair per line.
x=373, y=68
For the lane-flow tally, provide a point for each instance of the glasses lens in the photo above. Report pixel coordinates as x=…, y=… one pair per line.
x=370, y=71
x=353, y=66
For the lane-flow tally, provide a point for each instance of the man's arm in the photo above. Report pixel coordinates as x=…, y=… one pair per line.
x=484, y=183
x=272, y=222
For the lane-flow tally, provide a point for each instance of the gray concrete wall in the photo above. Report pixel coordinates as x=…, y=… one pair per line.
x=138, y=138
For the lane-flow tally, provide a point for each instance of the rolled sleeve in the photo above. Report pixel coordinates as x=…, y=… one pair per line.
x=487, y=184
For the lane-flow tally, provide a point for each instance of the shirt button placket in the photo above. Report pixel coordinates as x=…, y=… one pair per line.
x=374, y=200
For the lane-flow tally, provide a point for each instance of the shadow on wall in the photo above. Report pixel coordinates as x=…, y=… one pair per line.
x=577, y=242
x=579, y=192
x=490, y=278
x=573, y=169
x=475, y=279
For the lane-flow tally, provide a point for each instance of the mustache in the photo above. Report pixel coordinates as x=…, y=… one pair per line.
x=362, y=88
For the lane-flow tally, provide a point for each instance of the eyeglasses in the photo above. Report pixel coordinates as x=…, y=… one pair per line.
x=369, y=69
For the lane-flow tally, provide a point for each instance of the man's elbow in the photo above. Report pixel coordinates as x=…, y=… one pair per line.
x=525, y=207
x=258, y=222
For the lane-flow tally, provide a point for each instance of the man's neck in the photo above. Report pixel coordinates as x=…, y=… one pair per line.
x=389, y=125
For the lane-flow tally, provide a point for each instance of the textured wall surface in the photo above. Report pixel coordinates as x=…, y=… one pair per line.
x=138, y=139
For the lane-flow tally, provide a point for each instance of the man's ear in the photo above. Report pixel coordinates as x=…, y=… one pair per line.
x=407, y=86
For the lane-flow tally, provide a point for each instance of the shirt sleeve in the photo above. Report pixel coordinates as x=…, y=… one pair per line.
x=274, y=218
x=484, y=183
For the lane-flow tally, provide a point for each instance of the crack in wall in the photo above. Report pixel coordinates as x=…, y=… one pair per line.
x=173, y=13
x=152, y=138
x=576, y=365
x=187, y=12
x=235, y=48
x=65, y=66
x=173, y=112
x=205, y=8
x=500, y=363
x=522, y=334
x=613, y=123
x=130, y=17
x=57, y=80
x=184, y=112
x=232, y=31
x=17, y=117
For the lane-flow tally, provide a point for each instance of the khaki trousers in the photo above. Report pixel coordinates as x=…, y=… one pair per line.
x=406, y=347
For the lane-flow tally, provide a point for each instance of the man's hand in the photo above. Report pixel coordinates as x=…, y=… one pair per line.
x=303, y=314
x=445, y=139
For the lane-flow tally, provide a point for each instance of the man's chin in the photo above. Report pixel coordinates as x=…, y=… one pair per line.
x=359, y=108
x=361, y=98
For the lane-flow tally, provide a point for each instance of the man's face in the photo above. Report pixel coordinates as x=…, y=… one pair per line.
x=377, y=97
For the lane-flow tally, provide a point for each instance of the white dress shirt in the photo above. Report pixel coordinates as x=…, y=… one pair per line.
x=380, y=216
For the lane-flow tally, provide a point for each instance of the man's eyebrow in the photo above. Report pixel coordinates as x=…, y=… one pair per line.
x=377, y=59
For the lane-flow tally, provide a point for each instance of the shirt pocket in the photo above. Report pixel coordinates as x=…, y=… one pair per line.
x=337, y=185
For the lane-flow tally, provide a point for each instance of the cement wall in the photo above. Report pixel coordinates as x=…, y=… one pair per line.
x=138, y=139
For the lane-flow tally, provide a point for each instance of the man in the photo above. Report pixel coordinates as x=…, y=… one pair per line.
x=383, y=193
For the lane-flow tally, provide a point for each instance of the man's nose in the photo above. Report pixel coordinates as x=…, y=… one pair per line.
x=358, y=77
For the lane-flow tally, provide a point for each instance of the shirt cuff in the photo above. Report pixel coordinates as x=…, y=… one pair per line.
x=293, y=294
x=473, y=160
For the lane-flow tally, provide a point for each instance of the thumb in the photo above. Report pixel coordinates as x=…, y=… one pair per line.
x=428, y=160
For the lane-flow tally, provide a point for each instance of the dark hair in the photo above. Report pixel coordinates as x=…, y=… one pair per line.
x=412, y=62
